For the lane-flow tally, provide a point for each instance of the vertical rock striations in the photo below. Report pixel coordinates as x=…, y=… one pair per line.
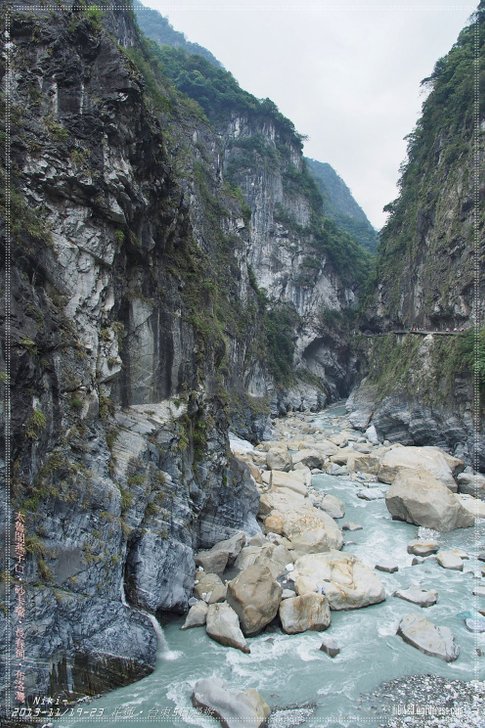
x=172, y=271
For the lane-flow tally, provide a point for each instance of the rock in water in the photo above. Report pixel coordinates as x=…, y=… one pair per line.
x=426, y=637
x=222, y=625
x=307, y=612
x=422, y=548
x=425, y=460
x=197, y=616
x=419, y=498
x=233, y=709
x=387, y=566
x=473, y=505
x=350, y=526
x=370, y=494
x=330, y=504
x=342, y=578
x=330, y=646
x=475, y=625
x=421, y=597
x=255, y=597
x=449, y=560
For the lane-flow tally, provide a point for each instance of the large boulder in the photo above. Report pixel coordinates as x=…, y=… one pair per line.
x=417, y=497
x=310, y=458
x=278, y=458
x=224, y=553
x=222, y=624
x=296, y=480
x=232, y=709
x=364, y=462
x=342, y=578
x=475, y=506
x=298, y=516
x=421, y=459
x=472, y=484
x=312, y=541
x=306, y=612
x=419, y=632
x=329, y=503
x=196, y=616
x=304, y=471
x=255, y=597
x=341, y=457
x=274, y=556
x=210, y=588
x=274, y=523
x=325, y=448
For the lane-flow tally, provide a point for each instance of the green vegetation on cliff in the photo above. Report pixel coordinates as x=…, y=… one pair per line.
x=158, y=28
x=215, y=89
x=340, y=206
x=429, y=232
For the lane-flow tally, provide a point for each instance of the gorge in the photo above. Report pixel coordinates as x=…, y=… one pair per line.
x=183, y=280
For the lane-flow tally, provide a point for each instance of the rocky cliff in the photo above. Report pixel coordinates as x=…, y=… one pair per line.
x=306, y=272
x=420, y=386
x=173, y=275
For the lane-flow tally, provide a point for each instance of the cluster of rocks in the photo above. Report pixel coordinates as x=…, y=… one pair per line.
x=294, y=574
x=294, y=571
x=271, y=579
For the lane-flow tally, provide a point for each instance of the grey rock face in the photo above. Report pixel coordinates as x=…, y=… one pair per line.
x=118, y=430
x=404, y=419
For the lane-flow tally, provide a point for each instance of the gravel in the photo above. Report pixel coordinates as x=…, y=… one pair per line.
x=426, y=701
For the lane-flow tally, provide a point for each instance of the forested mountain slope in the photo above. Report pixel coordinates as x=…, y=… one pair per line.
x=340, y=206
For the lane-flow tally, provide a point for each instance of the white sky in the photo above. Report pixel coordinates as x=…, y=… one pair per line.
x=346, y=73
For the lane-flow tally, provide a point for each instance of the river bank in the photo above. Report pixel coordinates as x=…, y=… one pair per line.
x=291, y=670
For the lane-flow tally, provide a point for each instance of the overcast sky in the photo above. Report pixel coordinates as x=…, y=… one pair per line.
x=346, y=73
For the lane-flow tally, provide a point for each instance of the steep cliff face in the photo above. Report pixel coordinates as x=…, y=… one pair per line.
x=301, y=265
x=340, y=205
x=420, y=388
x=120, y=458
x=173, y=275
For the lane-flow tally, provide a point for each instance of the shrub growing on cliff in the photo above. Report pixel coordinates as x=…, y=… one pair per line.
x=280, y=323
x=473, y=351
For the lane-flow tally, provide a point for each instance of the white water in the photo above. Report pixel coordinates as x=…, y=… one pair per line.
x=163, y=651
x=290, y=669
